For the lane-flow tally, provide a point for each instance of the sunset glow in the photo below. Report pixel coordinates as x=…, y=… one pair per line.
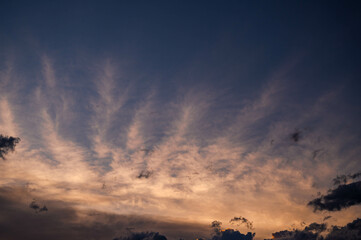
x=186, y=120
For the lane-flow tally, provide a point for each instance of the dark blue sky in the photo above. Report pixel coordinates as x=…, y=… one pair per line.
x=235, y=44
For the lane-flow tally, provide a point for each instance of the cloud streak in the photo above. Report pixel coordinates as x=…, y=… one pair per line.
x=160, y=154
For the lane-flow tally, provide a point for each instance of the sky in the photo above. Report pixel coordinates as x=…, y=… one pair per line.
x=180, y=119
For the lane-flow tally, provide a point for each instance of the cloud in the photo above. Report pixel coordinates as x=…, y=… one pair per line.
x=78, y=135
x=7, y=144
x=68, y=221
x=343, y=196
x=343, y=179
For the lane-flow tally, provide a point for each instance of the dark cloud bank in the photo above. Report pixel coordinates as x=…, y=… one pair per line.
x=21, y=221
x=21, y=218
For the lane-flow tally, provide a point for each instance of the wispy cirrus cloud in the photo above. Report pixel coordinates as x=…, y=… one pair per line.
x=149, y=154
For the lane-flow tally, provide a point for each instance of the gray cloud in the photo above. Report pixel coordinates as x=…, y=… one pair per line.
x=7, y=144
x=343, y=179
x=64, y=221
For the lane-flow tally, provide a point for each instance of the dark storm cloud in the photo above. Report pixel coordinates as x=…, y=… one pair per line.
x=7, y=144
x=242, y=220
x=343, y=196
x=143, y=236
x=63, y=221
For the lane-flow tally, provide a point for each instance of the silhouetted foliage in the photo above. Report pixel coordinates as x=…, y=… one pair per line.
x=37, y=207
x=296, y=136
x=217, y=226
x=310, y=232
x=240, y=219
x=143, y=236
x=231, y=234
x=145, y=174
x=7, y=144
x=352, y=231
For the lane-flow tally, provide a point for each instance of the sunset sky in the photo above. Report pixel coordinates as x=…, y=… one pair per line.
x=164, y=116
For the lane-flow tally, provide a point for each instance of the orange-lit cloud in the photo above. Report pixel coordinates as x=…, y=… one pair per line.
x=207, y=162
